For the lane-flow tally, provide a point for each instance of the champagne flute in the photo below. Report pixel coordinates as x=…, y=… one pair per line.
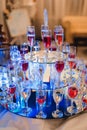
x=57, y=96
x=31, y=38
x=24, y=49
x=24, y=66
x=41, y=69
x=47, y=38
x=59, y=66
x=59, y=35
x=44, y=28
x=72, y=65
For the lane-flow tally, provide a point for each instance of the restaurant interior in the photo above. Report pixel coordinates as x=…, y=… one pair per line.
x=43, y=64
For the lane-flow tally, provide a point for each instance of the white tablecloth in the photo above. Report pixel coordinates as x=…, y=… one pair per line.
x=11, y=121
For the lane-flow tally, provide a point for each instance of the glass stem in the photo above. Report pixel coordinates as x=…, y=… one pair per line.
x=31, y=51
x=71, y=75
x=24, y=76
x=41, y=108
x=72, y=106
x=57, y=106
x=59, y=74
x=26, y=103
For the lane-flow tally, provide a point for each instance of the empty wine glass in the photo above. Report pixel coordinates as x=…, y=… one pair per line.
x=40, y=99
x=31, y=37
x=26, y=92
x=57, y=96
x=72, y=64
x=41, y=69
x=66, y=48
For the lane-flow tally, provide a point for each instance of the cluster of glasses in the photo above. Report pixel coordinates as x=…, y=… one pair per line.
x=25, y=72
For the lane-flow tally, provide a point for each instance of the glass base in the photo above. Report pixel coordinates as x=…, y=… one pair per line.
x=57, y=114
x=41, y=115
x=72, y=110
x=25, y=111
x=14, y=107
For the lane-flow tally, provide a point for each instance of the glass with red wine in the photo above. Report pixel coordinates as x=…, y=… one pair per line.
x=72, y=93
x=24, y=68
x=47, y=38
x=44, y=28
x=24, y=49
x=11, y=92
x=41, y=99
x=59, y=66
x=59, y=36
x=31, y=38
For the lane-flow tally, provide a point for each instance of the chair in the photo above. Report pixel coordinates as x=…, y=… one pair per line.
x=17, y=23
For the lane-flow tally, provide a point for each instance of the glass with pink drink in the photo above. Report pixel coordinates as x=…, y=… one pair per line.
x=31, y=37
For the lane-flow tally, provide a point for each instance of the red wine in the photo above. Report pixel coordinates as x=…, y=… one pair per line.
x=24, y=51
x=72, y=64
x=31, y=39
x=12, y=89
x=24, y=66
x=59, y=66
x=71, y=55
x=41, y=99
x=72, y=91
x=84, y=99
x=59, y=38
x=74, y=67
x=47, y=41
x=52, y=48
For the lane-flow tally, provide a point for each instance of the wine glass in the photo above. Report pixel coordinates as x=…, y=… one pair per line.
x=66, y=48
x=72, y=65
x=40, y=99
x=72, y=52
x=44, y=28
x=72, y=92
x=57, y=96
x=47, y=38
x=12, y=106
x=24, y=49
x=84, y=99
x=59, y=35
x=26, y=92
x=31, y=38
x=59, y=66
x=24, y=66
x=41, y=69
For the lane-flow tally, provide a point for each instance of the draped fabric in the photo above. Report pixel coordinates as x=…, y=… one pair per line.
x=57, y=9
